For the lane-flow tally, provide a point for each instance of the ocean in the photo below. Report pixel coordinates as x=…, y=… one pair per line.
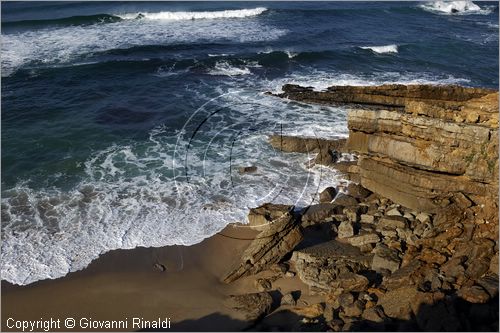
x=124, y=124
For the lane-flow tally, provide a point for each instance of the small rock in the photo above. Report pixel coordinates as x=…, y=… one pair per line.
x=474, y=294
x=247, y=169
x=354, y=310
x=423, y=217
x=389, y=234
x=159, y=267
x=392, y=222
x=345, y=229
x=477, y=268
x=385, y=258
x=319, y=213
x=345, y=300
x=311, y=311
x=263, y=284
x=289, y=274
x=365, y=218
x=364, y=239
x=393, y=212
x=357, y=191
x=350, y=282
x=288, y=300
x=490, y=284
x=432, y=256
x=327, y=195
x=327, y=157
x=351, y=213
x=461, y=200
x=250, y=307
x=345, y=200
x=374, y=314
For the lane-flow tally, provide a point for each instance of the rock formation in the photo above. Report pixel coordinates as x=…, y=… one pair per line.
x=414, y=246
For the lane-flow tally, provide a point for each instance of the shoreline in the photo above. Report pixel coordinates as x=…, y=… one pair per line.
x=412, y=243
x=125, y=283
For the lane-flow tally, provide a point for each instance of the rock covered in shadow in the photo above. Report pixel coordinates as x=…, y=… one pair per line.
x=250, y=307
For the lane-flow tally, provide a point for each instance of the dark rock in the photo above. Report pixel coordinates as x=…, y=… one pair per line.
x=354, y=310
x=432, y=256
x=247, y=169
x=350, y=282
x=375, y=314
x=385, y=258
x=251, y=307
x=357, y=191
x=490, y=284
x=405, y=276
x=474, y=294
x=477, y=268
x=326, y=157
x=319, y=213
x=345, y=200
x=327, y=195
x=259, y=218
x=159, y=267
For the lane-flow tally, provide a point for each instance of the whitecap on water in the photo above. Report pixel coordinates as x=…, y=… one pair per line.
x=465, y=7
x=393, y=48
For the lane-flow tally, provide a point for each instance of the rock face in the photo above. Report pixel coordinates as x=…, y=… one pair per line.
x=277, y=239
x=419, y=143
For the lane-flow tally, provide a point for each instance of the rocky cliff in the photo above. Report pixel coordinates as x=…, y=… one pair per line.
x=419, y=145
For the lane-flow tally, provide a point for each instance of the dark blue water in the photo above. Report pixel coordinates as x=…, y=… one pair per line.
x=124, y=124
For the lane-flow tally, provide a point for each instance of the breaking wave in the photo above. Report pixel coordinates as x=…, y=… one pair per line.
x=456, y=7
x=393, y=48
x=179, y=16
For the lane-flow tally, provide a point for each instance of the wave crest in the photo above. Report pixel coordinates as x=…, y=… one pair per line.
x=455, y=7
x=393, y=48
x=179, y=16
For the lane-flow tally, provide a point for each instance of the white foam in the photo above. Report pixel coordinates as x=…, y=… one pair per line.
x=137, y=195
x=224, y=68
x=393, y=48
x=466, y=7
x=180, y=16
x=56, y=46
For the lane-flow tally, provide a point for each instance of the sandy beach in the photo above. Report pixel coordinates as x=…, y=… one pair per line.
x=124, y=284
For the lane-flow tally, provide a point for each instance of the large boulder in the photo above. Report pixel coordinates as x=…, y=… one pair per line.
x=276, y=240
x=330, y=265
x=250, y=307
